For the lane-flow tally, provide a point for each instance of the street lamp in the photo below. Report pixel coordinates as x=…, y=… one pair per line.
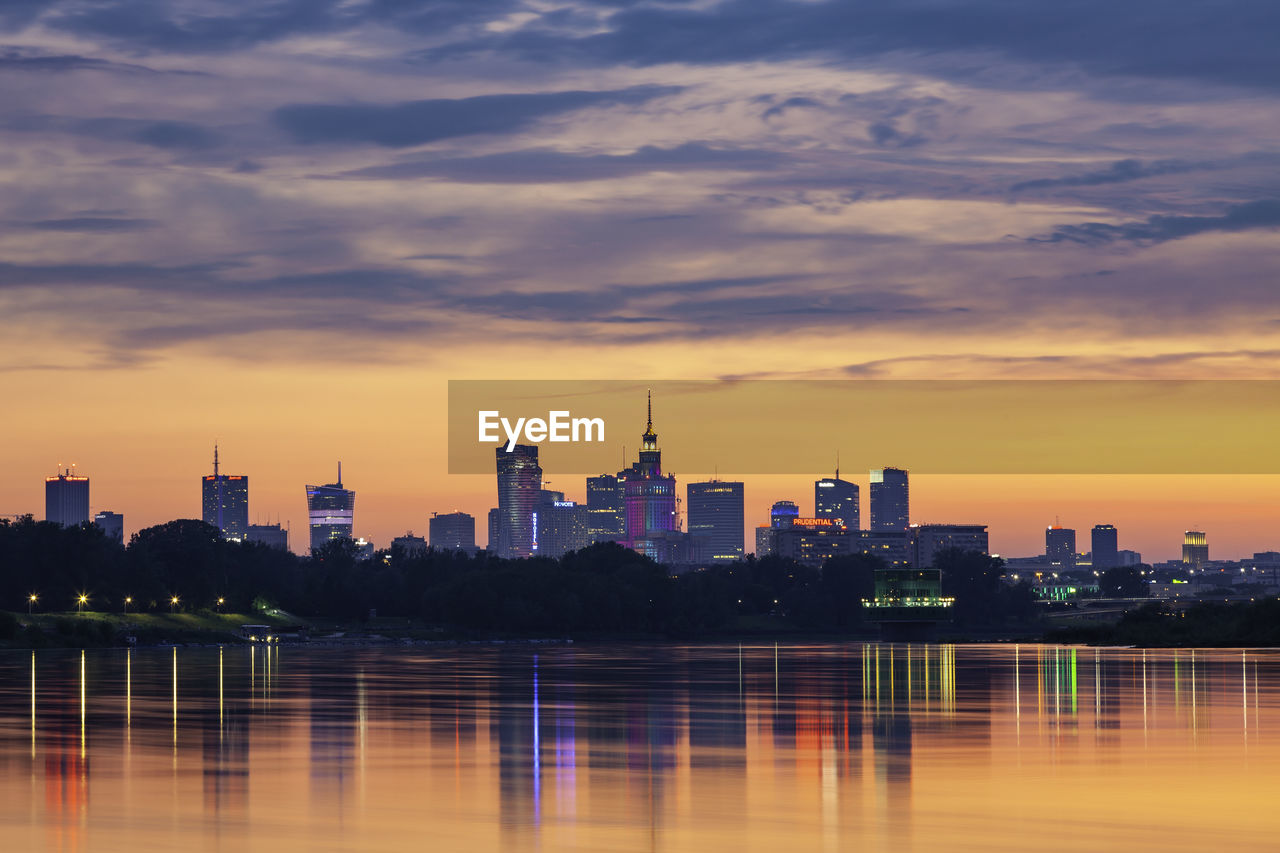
x=173, y=604
x=81, y=601
x=221, y=601
x=128, y=599
x=31, y=602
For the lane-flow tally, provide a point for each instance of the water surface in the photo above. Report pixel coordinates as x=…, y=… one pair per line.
x=679, y=748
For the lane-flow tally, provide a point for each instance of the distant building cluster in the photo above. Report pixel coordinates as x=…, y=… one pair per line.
x=640, y=508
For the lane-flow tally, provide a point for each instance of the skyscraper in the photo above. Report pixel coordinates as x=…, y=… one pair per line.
x=605, y=507
x=783, y=513
x=519, y=488
x=649, y=497
x=716, y=512
x=559, y=526
x=112, y=524
x=1195, y=549
x=330, y=511
x=452, y=531
x=1060, y=546
x=890, y=499
x=836, y=498
x=1104, y=547
x=224, y=500
x=66, y=499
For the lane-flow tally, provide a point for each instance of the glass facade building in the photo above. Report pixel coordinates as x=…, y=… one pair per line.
x=519, y=489
x=1104, y=547
x=716, y=514
x=452, y=531
x=224, y=501
x=836, y=498
x=330, y=512
x=606, y=508
x=890, y=499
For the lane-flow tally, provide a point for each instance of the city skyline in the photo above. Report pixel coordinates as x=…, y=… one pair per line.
x=1159, y=542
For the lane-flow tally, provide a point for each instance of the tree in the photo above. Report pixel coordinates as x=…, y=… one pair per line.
x=1123, y=582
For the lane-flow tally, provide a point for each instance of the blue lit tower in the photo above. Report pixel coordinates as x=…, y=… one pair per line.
x=649, y=497
x=331, y=512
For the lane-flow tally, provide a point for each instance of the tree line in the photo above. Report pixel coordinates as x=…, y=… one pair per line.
x=602, y=589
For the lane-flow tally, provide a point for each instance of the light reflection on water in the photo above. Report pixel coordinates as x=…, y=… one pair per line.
x=824, y=747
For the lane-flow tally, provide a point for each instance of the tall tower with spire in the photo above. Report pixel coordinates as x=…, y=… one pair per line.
x=330, y=512
x=224, y=500
x=649, y=496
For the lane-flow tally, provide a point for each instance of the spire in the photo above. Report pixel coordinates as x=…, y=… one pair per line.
x=650, y=427
x=215, y=459
x=837, y=464
x=339, y=473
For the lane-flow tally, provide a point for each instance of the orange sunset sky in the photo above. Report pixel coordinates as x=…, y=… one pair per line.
x=287, y=238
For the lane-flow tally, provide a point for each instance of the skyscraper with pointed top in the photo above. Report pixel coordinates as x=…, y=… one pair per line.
x=330, y=511
x=649, y=496
x=224, y=501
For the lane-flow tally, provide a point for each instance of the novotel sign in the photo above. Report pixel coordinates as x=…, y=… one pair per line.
x=558, y=426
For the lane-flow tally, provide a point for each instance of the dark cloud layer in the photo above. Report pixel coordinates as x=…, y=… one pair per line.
x=417, y=122
x=1159, y=229
x=1119, y=172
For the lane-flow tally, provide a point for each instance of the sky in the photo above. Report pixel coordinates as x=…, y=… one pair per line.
x=284, y=226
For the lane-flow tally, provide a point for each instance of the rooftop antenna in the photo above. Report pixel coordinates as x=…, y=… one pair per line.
x=650, y=392
x=837, y=464
x=217, y=483
x=339, y=473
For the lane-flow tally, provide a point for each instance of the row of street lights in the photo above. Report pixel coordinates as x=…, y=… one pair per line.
x=82, y=599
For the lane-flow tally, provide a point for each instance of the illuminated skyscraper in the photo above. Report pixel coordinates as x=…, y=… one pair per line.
x=1195, y=549
x=224, y=500
x=783, y=513
x=112, y=524
x=606, y=515
x=890, y=499
x=716, y=513
x=331, y=512
x=66, y=499
x=519, y=488
x=1105, y=552
x=649, y=497
x=559, y=526
x=1060, y=546
x=836, y=498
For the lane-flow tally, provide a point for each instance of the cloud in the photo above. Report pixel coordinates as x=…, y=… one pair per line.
x=1119, y=172
x=417, y=122
x=92, y=224
x=156, y=133
x=1159, y=229
x=790, y=104
x=546, y=166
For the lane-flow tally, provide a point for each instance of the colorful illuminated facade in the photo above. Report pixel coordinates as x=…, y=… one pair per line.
x=649, y=496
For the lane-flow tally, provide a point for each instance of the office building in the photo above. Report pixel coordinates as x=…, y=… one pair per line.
x=1060, y=546
x=112, y=524
x=519, y=489
x=716, y=514
x=330, y=512
x=494, y=529
x=892, y=547
x=452, y=531
x=409, y=545
x=764, y=541
x=271, y=535
x=1104, y=552
x=926, y=540
x=606, y=516
x=811, y=541
x=649, y=496
x=559, y=526
x=890, y=499
x=66, y=499
x=1195, y=549
x=224, y=501
x=836, y=498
